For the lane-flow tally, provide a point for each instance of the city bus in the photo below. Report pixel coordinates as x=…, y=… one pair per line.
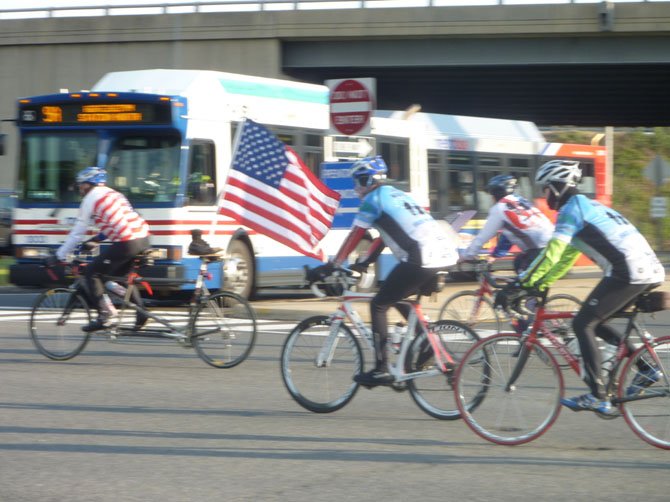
x=166, y=138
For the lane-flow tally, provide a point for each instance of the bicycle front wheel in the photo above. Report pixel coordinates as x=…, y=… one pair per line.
x=473, y=310
x=56, y=321
x=223, y=332
x=519, y=388
x=648, y=415
x=432, y=390
x=318, y=366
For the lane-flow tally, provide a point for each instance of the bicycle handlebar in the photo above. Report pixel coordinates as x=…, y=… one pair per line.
x=484, y=268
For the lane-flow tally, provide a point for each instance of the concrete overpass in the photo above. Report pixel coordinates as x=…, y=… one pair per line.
x=578, y=64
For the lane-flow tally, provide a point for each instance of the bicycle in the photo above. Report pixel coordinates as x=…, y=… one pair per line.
x=322, y=354
x=521, y=392
x=221, y=327
x=477, y=309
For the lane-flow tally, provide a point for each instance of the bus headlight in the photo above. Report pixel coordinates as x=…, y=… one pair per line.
x=32, y=252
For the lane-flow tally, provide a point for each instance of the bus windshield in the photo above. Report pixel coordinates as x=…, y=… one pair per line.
x=49, y=163
x=145, y=167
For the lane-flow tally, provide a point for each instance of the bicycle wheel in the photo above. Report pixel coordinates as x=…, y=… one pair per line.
x=327, y=386
x=223, y=332
x=509, y=414
x=433, y=392
x=56, y=321
x=649, y=414
x=472, y=310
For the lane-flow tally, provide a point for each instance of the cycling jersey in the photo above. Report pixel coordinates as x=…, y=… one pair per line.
x=407, y=229
x=112, y=214
x=520, y=223
x=602, y=234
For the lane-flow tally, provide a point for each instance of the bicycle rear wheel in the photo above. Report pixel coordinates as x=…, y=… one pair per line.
x=472, y=310
x=433, y=392
x=56, y=321
x=321, y=386
x=648, y=415
x=224, y=330
x=509, y=414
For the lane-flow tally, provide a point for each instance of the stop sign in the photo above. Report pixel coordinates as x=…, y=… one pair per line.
x=351, y=103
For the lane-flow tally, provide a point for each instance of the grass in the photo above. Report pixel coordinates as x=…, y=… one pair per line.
x=5, y=262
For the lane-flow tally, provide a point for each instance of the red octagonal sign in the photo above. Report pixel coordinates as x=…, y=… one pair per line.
x=350, y=107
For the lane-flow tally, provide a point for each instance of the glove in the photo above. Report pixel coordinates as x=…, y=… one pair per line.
x=509, y=296
x=318, y=274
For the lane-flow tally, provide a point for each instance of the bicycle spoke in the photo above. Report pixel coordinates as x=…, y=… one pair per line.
x=648, y=414
x=509, y=414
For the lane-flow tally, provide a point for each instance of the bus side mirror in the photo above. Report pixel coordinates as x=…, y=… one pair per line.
x=2, y=143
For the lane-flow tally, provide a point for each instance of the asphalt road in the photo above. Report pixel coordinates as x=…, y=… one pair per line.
x=148, y=420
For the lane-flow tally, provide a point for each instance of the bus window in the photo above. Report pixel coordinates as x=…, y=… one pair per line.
x=145, y=168
x=201, y=189
x=49, y=163
x=396, y=156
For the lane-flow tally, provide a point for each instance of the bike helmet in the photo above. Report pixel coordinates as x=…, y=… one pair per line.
x=93, y=175
x=368, y=170
x=559, y=171
x=561, y=178
x=501, y=185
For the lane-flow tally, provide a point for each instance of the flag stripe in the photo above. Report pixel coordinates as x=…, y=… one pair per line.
x=270, y=190
x=280, y=218
x=263, y=195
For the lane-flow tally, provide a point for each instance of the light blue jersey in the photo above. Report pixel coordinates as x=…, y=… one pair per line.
x=609, y=239
x=407, y=229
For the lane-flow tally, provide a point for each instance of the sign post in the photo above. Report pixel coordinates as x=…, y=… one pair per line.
x=351, y=105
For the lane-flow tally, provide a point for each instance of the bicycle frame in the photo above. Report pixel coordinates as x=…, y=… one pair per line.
x=539, y=328
x=415, y=321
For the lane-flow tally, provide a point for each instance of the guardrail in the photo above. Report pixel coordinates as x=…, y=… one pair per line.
x=194, y=6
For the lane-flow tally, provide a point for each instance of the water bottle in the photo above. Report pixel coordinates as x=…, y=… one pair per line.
x=397, y=336
x=115, y=288
x=608, y=355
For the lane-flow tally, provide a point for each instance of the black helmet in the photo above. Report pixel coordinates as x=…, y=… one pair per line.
x=501, y=185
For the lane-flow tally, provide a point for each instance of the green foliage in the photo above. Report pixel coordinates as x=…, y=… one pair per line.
x=633, y=151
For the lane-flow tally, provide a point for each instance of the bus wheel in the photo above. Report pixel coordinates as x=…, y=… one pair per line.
x=239, y=270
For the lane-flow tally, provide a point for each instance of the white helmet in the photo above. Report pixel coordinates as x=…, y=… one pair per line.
x=559, y=171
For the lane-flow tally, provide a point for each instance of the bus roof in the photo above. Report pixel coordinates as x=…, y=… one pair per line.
x=229, y=95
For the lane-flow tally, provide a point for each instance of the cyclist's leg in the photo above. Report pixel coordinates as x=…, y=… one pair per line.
x=116, y=259
x=606, y=299
x=401, y=282
x=120, y=264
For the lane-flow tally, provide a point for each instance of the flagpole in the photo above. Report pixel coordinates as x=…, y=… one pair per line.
x=236, y=143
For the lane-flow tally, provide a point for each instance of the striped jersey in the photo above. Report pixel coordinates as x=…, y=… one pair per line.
x=518, y=220
x=111, y=213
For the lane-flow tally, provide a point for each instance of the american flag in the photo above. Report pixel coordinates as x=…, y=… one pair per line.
x=270, y=190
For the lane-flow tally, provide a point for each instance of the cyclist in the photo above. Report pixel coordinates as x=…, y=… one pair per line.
x=118, y=222
x=610, y=240
x=417, y=241
x=519, y=222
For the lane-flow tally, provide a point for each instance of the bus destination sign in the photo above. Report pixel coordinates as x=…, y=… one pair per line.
x=95, y=113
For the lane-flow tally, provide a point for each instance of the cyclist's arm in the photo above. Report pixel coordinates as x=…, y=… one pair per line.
x=502, y=247
x=493, y=223
x=349, y=244
x=373, y=252
x=79, y=229
x=552, y=264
